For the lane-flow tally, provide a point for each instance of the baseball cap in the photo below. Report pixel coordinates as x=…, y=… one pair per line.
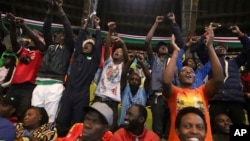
x=103, y=109
x=91, y=41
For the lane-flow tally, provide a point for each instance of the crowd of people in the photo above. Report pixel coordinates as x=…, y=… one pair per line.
x=45, y=80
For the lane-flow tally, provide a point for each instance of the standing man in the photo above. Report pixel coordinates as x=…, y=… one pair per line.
x=229, y=98
x=158, y=62
x=50, y=77
x=30, y=58
x=85, y=63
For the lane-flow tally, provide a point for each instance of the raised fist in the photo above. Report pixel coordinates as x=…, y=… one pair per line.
x=159, y=19
x=111, y=25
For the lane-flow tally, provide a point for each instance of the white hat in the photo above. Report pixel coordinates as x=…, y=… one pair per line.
x=91, y=41
x=103, y=109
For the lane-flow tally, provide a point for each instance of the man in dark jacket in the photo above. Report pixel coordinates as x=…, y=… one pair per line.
x=230, y=98
x=50, y=77
x=85, y=63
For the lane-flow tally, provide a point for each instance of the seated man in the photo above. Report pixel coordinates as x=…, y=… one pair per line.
x=7, y=109
x=7, y=130
x=221, y=125
x=190, y=124
x=134, y=129
x=95, y=127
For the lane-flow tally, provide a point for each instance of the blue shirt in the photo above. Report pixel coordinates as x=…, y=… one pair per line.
x=7, y=130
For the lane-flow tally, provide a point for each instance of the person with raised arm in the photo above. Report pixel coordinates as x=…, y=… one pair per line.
x=85, y=63
x=108, y=89
x=30, y=58
x=186, y=95
x=50, y=77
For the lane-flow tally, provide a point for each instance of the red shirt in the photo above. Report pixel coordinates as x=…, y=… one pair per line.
x=123, y=135
x=76, y=132
x=245, y=78
x=27, y=72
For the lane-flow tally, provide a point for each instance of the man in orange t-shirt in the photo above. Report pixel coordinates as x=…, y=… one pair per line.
x=186, y=96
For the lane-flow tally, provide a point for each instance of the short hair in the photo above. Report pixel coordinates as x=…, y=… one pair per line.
x=185, y=62
x=134, y=73
x=159, y=44
x=142, y=111
x=213, y=120
x=222, y=44
x=42, y=112
x=186, y=111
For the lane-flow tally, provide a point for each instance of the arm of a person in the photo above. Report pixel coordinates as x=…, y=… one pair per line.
x=176, y=30
x=125, y=71
x=13, y=33
x=147, y=74
x=81, y=35
x=202, y=50
x=112, y=27
x=107, y=47
x=214, y=83
x=151, y=34
x=179, y=59
x=125, y=51
x=169, y=71
x=38, y=44
x=243, y=57
x=205, y=69
x=47, y=33
x=6, y=84
x=68, y=39
x=3, y=27
x=98, y=42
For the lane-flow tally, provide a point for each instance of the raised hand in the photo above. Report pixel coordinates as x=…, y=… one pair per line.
x=171, y=17
x=111, y=25
x=214, y=25
x=10, y=17
x=131, y=57
x=58, y=3
x=172, y=42
x=159, y=19
x=97, y=20
x=210, y=37
x=235, y=29
x=117, y=39
x=84, y=23
x=191, y=41
x=140, y=58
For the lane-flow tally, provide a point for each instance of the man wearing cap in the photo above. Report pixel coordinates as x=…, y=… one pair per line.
x=95, y=127
x=85, y=63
